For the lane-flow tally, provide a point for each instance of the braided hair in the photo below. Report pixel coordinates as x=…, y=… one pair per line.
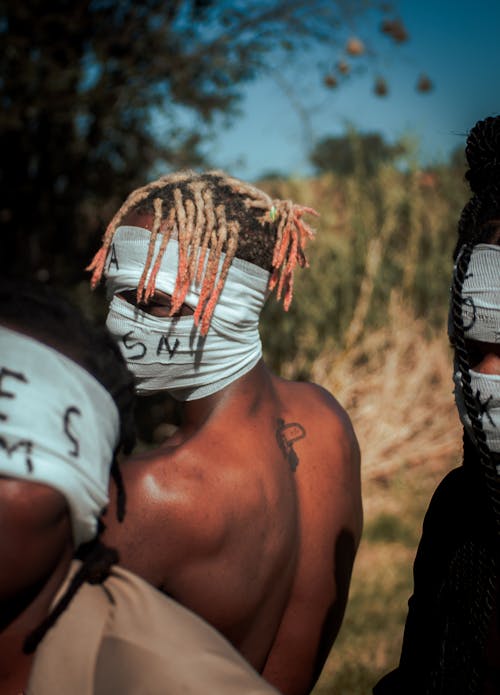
x=481, y=215
x=479, y=223
x=473, y=577
x=50, y=318
x=210, y=214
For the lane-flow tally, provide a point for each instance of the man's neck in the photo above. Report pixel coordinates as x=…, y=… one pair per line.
x=248, y=388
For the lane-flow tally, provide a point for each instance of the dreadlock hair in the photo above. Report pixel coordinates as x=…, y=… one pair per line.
x=474, y=571
x=50, y=318
x=209, y=214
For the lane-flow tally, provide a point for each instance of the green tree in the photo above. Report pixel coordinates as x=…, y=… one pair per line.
x=96, y=93
x=354, y=153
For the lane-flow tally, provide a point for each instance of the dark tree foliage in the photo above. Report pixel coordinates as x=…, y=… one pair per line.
x=354, y=153
x=95, y=93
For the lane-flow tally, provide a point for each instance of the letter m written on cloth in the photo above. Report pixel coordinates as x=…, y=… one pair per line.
x=11, y=449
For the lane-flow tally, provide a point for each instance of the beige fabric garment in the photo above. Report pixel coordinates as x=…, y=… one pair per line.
x=130, y=638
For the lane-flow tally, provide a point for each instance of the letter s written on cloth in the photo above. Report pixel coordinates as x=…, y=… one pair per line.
x=127, y=340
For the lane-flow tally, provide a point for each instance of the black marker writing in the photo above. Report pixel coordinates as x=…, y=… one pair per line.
x=131, y=345
x=75, y=451
x=287, y=433
x=5, y=372
x=468, y=301
x=113, y=258
x=164, y=345
x=21, y=443
x=484, y=406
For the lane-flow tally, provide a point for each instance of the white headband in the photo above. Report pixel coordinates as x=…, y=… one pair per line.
x=242, y=297
x=58, y=426
x=481, y=294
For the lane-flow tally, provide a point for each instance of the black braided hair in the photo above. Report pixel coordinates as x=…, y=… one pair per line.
x=482, y=152
x=478, y=221
x=474, y=572
x=49, y=317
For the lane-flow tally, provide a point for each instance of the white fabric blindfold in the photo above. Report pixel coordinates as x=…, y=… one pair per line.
x=58, y=426
x=240, y=302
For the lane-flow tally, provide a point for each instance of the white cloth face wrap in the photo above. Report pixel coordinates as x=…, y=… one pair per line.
x=58, y=426
x=169, y=354
x=481, y=317
x=481, y=294
x=486, y=391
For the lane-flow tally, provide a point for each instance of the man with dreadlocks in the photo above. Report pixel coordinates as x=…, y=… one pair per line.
x=250, y=514
x=452, y=635
x=87, y=626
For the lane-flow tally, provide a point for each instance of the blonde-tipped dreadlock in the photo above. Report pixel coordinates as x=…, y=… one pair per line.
x=211, y=214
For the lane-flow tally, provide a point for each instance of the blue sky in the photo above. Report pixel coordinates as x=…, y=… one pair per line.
x=456, y=43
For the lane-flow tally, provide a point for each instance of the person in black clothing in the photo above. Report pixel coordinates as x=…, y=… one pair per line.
x=451, y=641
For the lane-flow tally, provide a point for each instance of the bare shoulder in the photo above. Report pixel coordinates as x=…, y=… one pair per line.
x=170, y=515
x=323, y=413
x=329, y=454
x=173, y=485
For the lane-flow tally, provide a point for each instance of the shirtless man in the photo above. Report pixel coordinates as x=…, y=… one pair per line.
x=250, y=514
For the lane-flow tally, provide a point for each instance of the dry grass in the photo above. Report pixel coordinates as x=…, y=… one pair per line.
x=382, y=258
x=369, y=642
x=396, y=385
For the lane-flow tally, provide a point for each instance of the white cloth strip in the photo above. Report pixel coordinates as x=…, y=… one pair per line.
x=58, y=426
x=481, y=294
x=486, y=393
x=240, y=302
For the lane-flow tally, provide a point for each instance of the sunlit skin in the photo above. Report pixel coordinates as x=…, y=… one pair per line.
x=218, y=518
x=36, y=548
x=484, y=357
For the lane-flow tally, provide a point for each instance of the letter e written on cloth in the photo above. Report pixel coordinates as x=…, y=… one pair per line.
x=4, y=373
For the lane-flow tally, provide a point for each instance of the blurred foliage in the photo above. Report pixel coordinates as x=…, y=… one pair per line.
x=98, y=95
x=376, y=233
x=389, y=528
x=361, y=153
